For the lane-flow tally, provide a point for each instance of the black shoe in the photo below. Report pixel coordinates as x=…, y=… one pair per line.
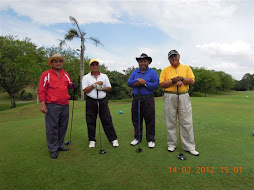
x=54, y=155
x=63, y=149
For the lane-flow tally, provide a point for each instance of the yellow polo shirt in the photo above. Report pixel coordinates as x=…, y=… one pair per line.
x=170, y=72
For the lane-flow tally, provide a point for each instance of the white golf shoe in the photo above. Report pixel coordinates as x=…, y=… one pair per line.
x=91, y=144
x=134, y=142
x=115, y=143
x=151, y=144
x=194, y=152
x=171, y=148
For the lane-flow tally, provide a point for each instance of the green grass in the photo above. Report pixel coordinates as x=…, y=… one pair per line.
x=223, y=128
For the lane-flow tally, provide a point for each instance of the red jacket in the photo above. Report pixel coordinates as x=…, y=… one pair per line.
x=54, y=88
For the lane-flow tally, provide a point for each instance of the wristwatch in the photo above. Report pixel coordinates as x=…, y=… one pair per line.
x=182, y=79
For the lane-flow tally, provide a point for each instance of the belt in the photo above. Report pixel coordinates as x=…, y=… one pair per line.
x=171, y=92
x=143, y=96
x=88, y=97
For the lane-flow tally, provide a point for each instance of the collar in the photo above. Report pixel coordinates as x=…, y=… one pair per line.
x=98, y=73
x=177, y=66
x=62, y=71
x=139, y=70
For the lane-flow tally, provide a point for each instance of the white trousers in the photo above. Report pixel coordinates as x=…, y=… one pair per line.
x=186, y=124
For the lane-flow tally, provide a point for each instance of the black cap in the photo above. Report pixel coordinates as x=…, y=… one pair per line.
x=173, y=52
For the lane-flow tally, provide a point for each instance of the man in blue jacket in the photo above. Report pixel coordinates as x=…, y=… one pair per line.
x=144, y=82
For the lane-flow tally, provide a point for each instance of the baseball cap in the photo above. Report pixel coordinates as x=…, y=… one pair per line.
x=93, y=60
x=173, y=52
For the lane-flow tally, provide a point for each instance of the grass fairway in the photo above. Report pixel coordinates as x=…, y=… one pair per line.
x=223, y=128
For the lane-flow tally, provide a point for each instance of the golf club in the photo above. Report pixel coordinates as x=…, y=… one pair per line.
x=138, y=149
x=181, y=156
x=98, y=115
x=68, y=142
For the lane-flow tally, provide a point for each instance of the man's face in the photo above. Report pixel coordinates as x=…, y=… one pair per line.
x=174, y=60
x=143, y=64
x=57, y=64
x=94, y=66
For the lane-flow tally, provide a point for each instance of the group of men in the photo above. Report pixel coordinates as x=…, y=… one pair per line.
x=174, y=79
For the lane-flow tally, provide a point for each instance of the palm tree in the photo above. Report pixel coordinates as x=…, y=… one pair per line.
x=73, y=33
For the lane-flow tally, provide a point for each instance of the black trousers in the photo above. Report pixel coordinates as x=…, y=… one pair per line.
x=56, y=125
x=105, y=116
x=147, y=112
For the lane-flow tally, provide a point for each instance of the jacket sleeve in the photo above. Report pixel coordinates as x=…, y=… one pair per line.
x=154, y=83
x=132, y=79
x=69, y=81
x=43, y=86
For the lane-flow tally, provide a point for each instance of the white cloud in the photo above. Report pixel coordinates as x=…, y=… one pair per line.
x=23, y=29
x=177, y=17
x=49, y=12
x=236, y=49
x=233, y=68
x=146, y=50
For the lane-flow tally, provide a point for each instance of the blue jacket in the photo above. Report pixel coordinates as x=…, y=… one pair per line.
x=151, y=78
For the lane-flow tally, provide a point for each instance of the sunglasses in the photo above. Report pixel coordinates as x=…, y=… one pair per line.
x=94, y=64
x=56, y=61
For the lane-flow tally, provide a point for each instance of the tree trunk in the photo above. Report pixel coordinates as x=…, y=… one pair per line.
x=13, y=104
x=37, y=98
x=82, y=67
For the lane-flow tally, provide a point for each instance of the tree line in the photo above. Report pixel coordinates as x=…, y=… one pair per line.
x=22, y=62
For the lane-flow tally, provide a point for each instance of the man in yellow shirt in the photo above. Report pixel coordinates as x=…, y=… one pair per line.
x=182, y=76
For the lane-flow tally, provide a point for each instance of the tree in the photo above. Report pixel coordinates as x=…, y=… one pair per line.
x=18, y=64
x=117, y=81
x=128, y=72
x=73, y=33
x=205, y=80
x=247, y=83
x=159, y=91
x=42, y=65
x=226, y=81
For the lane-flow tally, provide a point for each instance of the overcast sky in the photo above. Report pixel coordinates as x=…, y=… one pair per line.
x=215, y=34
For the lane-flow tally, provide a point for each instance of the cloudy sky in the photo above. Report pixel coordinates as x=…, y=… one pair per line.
x=215, y=34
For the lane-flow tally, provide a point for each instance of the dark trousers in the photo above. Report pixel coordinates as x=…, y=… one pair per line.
x=105, y=116
x=147, y=112
x=56, y=125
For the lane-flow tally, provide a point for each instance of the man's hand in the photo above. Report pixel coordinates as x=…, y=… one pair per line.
x=99, y=82
x=136, y=84
x=141, y=81
x=74, y=86
x=176, y=79
x=179, y=83
x=98, y=87
x=44, y=108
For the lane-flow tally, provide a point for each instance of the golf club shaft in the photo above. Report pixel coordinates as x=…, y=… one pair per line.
x=72, y=111
x=98, y=115
x=139, y=117
x=178, y=113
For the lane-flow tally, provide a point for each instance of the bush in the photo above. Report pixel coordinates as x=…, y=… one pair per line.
x=25, y=96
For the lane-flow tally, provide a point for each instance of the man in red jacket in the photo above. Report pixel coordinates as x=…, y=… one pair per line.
x=54, y=98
